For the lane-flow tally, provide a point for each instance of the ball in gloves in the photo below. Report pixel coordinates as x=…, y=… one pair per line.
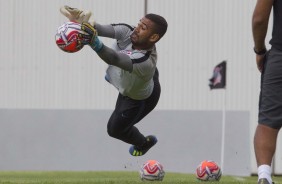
x=68, y=37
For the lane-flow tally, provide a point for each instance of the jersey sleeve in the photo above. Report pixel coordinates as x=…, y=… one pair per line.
x=143, y=65
x=122, y=31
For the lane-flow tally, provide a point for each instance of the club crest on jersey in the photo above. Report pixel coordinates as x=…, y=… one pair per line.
x=127, y=52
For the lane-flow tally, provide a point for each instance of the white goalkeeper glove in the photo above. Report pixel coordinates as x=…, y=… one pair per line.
x=76, y=15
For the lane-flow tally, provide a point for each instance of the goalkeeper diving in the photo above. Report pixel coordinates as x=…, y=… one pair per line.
x=132, y=70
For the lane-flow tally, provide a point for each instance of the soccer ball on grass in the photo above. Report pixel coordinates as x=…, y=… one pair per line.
x=208, y=171
x=152, y=170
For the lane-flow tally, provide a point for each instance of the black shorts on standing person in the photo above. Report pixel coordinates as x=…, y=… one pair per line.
x=269, y=63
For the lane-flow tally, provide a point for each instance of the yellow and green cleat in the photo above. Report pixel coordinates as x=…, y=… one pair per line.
x=151, y=140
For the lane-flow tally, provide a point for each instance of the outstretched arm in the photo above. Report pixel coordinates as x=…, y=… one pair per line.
x=105, y=30
x=118, y=59
x=107, y=54
x=80, y=16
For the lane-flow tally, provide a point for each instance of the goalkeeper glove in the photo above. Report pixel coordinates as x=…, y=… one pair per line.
x=75, y=15
x=91, y=38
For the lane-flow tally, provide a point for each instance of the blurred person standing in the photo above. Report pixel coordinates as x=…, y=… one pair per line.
x=269, y=63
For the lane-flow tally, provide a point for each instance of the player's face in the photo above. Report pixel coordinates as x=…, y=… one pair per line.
x=141, y=36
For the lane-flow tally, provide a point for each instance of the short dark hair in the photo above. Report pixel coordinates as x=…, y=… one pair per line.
x=160, y=23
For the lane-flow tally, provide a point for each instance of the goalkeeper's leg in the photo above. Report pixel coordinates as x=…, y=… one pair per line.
x=127, y=113
x=150, y=104
x=76, y=15
x=121, y=123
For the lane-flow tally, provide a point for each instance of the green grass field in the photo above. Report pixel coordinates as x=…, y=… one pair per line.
x=60, y=177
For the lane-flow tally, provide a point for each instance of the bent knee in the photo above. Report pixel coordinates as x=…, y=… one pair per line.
x=113, y=133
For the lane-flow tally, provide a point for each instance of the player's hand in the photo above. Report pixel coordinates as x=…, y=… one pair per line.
x=84, y=39
x=260, y=62
x=75, y=15
x=92, y=36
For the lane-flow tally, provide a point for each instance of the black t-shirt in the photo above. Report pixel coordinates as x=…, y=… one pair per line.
x=276, y=40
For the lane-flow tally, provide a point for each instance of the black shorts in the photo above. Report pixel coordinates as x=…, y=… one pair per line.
x=270, y=102
x=128, y=112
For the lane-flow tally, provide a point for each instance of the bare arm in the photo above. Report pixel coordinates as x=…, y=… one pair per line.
x=259, y=27
x=260, y=22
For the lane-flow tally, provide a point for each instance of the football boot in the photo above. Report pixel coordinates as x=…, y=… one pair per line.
x=141, y=150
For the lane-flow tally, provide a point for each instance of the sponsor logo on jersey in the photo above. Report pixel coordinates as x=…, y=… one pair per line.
x=127, y=52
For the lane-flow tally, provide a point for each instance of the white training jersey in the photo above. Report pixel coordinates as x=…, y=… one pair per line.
x=137, y=84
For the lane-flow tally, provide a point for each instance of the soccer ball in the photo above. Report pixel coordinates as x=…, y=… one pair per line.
x=152, y=170
x=208, y=171
x=67, y=37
